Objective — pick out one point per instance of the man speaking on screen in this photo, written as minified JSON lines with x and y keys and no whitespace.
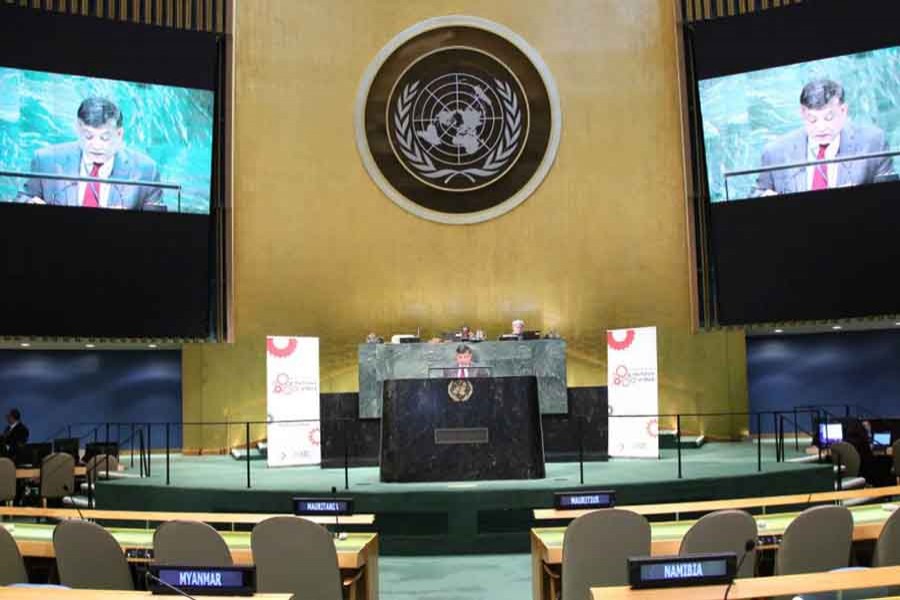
{"x":100,"y":152}
{"x":827,"y":133}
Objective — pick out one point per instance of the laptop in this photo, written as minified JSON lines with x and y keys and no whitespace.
{"x":881,"y":439}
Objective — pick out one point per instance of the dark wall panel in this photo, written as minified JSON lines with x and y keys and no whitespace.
{"x":856,"y":368}
{"x":54,"y":389}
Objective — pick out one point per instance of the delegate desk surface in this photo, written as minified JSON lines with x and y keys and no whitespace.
{"x":763,"y":587}
{"x":358,"y":551}
{"x":665,"y":538}
{"x":35,"y":472}
{"x":544,"y":359}
{"x":763,"y":502}
{"x":148,"y":517}
{"x":11,"y":593}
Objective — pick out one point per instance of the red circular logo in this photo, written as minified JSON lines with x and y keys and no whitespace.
{"x":315,"y":436}
{"x":653,"y":428}
{"x":615,"y":344}
{"x":278,"y":351}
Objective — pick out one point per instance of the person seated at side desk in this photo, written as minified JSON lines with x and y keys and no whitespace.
{"x":465,"y":368}
{"x":15,"y":434}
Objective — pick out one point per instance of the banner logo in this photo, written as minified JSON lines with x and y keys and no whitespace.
{"x":457,"y":119}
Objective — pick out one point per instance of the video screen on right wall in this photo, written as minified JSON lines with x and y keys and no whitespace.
{"x":804,"y":127}
{"x":795,"y":137}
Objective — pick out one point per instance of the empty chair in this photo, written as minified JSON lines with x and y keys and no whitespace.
{"x":596,"y":548}
{"x":817,"y":540}
{"x":100,"y":465}
{"x":887,"y":548}
{"x":190,"y":543}
{"x":57,"y":476}
{"x":845,"y":455}
{"x":723,"y":531}
{"x":89,"y":557}
{"x":12,"y":568}
{"x":295,"y":556}
{"x":7,"y":480}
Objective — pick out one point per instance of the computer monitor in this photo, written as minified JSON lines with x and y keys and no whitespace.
{"x":881,"y":439}
{"x":67,"y":445}
{"x":31,"y":455}
{"x":830,"y":433}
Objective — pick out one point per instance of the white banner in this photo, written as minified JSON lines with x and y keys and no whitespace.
{"x":292,"y":380}
{"x":633,"y":385}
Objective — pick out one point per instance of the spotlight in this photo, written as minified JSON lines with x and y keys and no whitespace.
{"x":836,"y":327}
{"x":779,"y":331}
{"x":25,"y":344}
{"x":89,"y":346}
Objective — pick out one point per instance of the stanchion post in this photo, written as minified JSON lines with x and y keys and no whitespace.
{"x":247,"y":438}
{"x":796,"y":431}
{"x":168,"y":475}
{"x":346,"y":457}
{"x":678,"y":441}
{"x":580,"y":449}
{"x":132,"y":445}
{"x":149,"y":447}
{"x":759,"y":442}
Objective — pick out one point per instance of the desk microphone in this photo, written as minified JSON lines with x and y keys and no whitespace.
{"x":165,"y":584}
{"x":337,"y":521}
{"x":749,"y":546}
{"x":74,"y":504}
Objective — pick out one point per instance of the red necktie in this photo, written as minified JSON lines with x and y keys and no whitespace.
{"x":820,"y":174}
{"x":92,"y":190}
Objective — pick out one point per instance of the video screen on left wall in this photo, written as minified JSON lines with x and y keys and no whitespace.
{"x":90,"y":142}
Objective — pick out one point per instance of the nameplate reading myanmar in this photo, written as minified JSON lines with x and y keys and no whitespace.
{"x":232,"y":581}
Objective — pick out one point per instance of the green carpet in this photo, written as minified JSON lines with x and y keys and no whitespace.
{"x":491,"y":577}
{"x":460,"y":517}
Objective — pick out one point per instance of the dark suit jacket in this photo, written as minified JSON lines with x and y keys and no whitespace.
{"x":13,"y":438}
{"x":65,"y":159}
{"x":793,"y":148}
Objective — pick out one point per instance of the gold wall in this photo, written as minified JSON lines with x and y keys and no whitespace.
{"x":320,"y":251}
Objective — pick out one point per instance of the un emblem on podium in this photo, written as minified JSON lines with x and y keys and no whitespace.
{"x":457,"y":120}
{"x":460,"y":390}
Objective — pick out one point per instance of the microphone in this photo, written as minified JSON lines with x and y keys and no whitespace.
{"x":337,"y":522}
{"x":75,"y":504}
{"x":165,"y":584}
{"x":749,"y":546}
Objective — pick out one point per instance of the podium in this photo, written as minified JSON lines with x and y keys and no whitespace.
{"x":461,"y":429}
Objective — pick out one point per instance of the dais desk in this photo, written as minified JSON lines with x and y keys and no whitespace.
{"x":358,"y":552}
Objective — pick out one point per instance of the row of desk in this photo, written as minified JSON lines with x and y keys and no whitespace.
{"x":358,"y":553}
{"x":547,"y":542}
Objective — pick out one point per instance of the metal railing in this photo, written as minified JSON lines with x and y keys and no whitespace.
{"x":812,"y":163}
{"x":75,"y":179}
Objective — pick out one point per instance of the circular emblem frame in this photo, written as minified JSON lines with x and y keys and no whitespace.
{"x":492,"y":125}
{"x":460,"y":390}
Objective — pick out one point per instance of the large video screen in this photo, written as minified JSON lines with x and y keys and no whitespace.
{"x":110,"y":178}
{"x":795,"y":123}
{"x":809,"y":126}
{"x":71,"y":140}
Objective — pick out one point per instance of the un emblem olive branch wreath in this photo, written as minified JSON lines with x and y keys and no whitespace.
{"x":495,"y":161}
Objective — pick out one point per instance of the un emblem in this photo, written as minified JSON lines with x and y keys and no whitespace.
{"x":457,"y":120}
{"x":460,"y":390}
